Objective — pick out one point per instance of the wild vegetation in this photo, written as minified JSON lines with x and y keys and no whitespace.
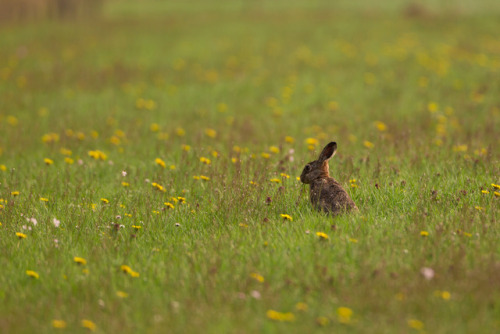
{"x":149,"y":164}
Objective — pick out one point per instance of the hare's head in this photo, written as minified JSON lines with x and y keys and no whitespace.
{"x":318,"y":169}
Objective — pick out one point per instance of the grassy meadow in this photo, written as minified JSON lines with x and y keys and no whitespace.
{"x":147,"y":158}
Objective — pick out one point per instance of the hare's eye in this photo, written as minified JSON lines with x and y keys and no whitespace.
{"x":308,"y":168}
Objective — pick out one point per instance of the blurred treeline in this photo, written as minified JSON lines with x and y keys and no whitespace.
{"x":22,"y":10}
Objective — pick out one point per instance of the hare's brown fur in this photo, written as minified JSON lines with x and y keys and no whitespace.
{"x":325,"y":192}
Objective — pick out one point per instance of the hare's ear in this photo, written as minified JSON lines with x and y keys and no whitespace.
{"x":328,"y":152}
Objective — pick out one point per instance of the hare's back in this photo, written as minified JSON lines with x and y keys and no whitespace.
{"x":333,"y":197}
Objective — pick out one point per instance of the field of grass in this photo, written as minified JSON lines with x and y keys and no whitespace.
{"x":146,"y":158}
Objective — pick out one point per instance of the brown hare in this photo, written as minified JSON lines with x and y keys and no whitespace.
{"x":325,"y":192}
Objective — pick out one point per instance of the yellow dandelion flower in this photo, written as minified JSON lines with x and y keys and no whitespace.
{"x":172,"y":167}
{"x":154,"y":127}
{"x":181,"y":199}
{"x":416,"y":324}
{"x":125,"y":184}
{"x":274,"y":149}
{"x":265,"y":155}
{"x":257,"y":277}
{"x":105,"y":200}
{"x":65,"y":151}
{"x":158,"y":187}
{"x":485,"y":191}
{"x":497,"y":193}
{"x":354,"y":241}
{"x":311,"y":141}
{"x":234,"y":160}
{"x":186,"y":148}
{"x":180,"y":132}
{"x":286,"y":217}
{"x":90,"y":325}
{"x":3,"y":168}
{"x":478,"y":208}
{"x":280,"y":316}
{"x":496,"y":186}
{"x":162,"y":136}
{"x":126,"y":269}
{"x":32,"y":274}
{"x":160,"y":162}
{"x":80,"y":260}
{"x":12,"y":121}
{"x":150,"y":104}
{"x":221,"y":107}
{"x":69,"y":161}
{"x":136,"y":227}
{"x":275,"y":180}
{"x":97,"y":155}
{"x":21,"y":235}
{"x":253,"y":183}
{"x":59,"y":323}
{"x":301,"y":306}
{"x":380,"y":126}
{"x":43,"y":199}
{"x":94,"y":134}
{"x":322,"y":236}
{"x":344,"y":315}
{"x":368,"y":144}
{"x":432,"y":107}
{"x":204,"y":160}
{"x":211,"y":133}
{"x":289,"y":139}
{"x":286,"y":176}
{"x":43,"y":111}
{"x":169,"y":205}
{"x":48,"y":161}
{"x":15,"y":193}
{"x":481,"y":152}
{"x":121,"y":294}
{"x":204,"y":178}
{"x":243,"y":225}
{"x":196,"y":177}
{"x":50,"y":138}
{"x":445,"y":295}
{"x":80,"y":136}
{"x":215,"y":154}
{"x":424,"y":233}
{"x":333,"y":105}
{"x":460,"y":148}
{"x":322,"y":321}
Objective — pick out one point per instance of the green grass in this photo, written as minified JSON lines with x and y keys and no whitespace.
{"x":255,"y":75}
